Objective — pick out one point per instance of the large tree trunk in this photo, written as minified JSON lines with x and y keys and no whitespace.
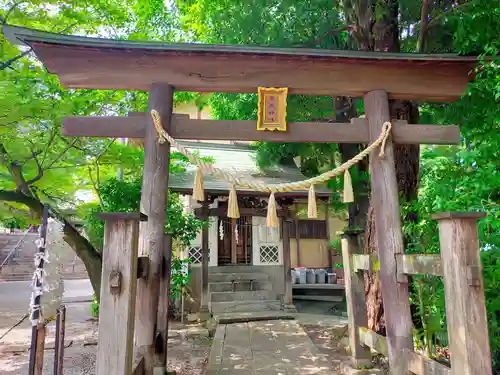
{"x":379,"y":32}
{"x":345,"y":111}
{"x":90,"y":257}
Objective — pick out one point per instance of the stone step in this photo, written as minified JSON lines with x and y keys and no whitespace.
{"x":252,"y":316}
{"x":260,"y":295}
{"x":240,"y":286}
{"x":234,"y":269}
{"x":244,"y":306}
{"x":243,"y":276}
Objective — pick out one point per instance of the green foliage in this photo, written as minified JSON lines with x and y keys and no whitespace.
{"x":491,"y":272}
{"x":125,"y":196}
{"x":179,"y":280}
{"x":431,"y":311}
{"x":94,"y":308}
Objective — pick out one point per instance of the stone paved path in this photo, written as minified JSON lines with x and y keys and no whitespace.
{"x":277,"y":347}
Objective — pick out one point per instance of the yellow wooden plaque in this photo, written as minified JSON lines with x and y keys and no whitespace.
{"x":272,"y":109}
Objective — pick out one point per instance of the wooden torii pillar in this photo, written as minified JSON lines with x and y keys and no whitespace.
{"x":385,"y":201}
{"x":148,"y":342}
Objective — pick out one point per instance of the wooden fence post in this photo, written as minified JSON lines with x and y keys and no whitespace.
{"x":464,"y":292}
{"x":355,"y":298}
{"x":118,"y":292}
{"x":59,"y":342}
{"x":384,"y":197}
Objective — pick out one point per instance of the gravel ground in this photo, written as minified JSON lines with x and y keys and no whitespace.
{"x":188,"y":346}
{"x":187,"y":356}
{"x":333,"y":342}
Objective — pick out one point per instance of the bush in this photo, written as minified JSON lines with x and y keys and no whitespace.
{"x":491,"y":273}
{"x":95,"y":307}
{"x":125,"y":196}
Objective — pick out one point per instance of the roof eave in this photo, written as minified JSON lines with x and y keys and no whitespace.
{"x":24,"y":36}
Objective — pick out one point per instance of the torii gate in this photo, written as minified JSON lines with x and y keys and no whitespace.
{"x":160,"y":68}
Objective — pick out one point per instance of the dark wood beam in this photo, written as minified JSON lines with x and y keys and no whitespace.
{"x":85,"y":63}
{"x":185,"y":128}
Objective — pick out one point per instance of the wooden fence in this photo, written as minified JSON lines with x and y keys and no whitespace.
{"x":460,"y":266}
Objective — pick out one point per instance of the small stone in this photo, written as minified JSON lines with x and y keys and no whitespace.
{"x":201,"y":316}
{"x":344,"y":345}
{"x":90,"y":340}
{"x":193,"y":317}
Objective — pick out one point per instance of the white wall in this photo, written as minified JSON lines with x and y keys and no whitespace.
{"x":263,"y":236}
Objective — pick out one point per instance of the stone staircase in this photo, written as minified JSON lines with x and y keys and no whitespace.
{"x":20,"y":266}
{"x":235,"y":289}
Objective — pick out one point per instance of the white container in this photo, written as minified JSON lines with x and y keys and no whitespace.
{"x":301,"y":275}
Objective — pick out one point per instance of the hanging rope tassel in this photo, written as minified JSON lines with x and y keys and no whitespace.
{"x":312,"y":211}
{"x":232,"y":205}
{"x":272,"y":215}
{"x":348,"y":193}
{"x":198,"y":188}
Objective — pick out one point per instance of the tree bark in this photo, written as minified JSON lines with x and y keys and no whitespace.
{"x":90,"y":257}
{"x":380,"y":33}
{"x":345,"y":111}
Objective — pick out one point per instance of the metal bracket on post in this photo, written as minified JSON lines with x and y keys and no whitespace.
{"x":115,"y":282}
{"x":143,"y":267}
{"x":474,"y":275}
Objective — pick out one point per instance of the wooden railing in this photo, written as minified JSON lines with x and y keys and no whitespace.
{"x":459,"y":265}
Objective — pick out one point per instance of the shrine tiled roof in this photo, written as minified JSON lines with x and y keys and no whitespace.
{"x":240,"y":159}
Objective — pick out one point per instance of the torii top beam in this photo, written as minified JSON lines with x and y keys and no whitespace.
{"x":94,"y":63}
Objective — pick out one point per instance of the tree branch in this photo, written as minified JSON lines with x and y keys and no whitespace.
{"x":49,"y":143}
{"x":39,"y":173}
{"x":16,"y":196}
{"x":13,"y":167}
{"x":434,"y":20}
{"x":62,"y":153}
{"x":424,"y":21}
{"x":328,"y":33}
{"x":82,"y":247}
{"x":9,"y":11}
{"x":8,"y":63}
